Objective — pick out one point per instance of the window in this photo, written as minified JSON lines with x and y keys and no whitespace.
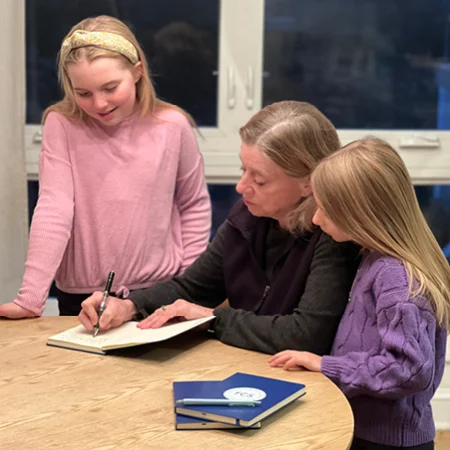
{"x":182,"y":47}
{"x":372,"y":67}
{"x":361,"y":62}
{"x":204,"y":56}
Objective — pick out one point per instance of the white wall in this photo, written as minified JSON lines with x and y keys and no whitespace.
{"x":13,"y":188}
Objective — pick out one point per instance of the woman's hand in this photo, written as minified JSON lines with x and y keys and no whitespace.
{"x":116,"y":313}
{"x":292,"y":358}
{"x":180,"y":308}
{"x":14,"y":311}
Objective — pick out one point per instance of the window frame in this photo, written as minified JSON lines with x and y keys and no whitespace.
{"x":240,"y":84}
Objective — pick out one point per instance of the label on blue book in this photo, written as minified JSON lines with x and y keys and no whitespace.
{"x":273,"y":393}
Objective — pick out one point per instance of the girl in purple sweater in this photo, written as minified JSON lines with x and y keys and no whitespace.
{"x":121,"y":181}
{"x":388,"y":356}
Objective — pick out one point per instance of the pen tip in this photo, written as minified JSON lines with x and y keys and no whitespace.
{"x":95,"y":331}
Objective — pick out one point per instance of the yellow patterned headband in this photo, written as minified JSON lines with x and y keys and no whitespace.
{"x":101,"y":39}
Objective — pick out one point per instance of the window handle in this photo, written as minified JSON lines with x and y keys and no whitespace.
{"x":250,"y":87}
{"x":37,"y":137}
{"x":231,"y":88}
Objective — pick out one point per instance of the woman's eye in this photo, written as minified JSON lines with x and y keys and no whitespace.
{"x":111,"y":89}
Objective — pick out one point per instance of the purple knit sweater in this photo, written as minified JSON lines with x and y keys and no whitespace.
{"x":388,"y":356}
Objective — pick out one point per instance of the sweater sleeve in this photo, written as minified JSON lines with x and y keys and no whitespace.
{"x":202,"y":283}
{"x":404,"y":363}
{"x":192,"y":198}
{"x":52,"y":220}
{"x":313,"y":323}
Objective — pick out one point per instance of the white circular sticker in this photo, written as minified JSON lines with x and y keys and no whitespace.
{"x":244,"y":393}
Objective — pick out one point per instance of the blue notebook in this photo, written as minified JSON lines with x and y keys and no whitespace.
{"x":273,"y":393}
{"x":192,"y":423}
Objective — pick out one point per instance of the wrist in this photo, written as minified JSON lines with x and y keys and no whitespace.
{"x":129,"y":309}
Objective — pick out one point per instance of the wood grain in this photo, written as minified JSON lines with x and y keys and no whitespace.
{"x":442,"y":441}
{"x":54,"y":398}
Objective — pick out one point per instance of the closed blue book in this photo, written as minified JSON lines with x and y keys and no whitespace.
{"x":273,"y":394}
{"x":192,"y":423}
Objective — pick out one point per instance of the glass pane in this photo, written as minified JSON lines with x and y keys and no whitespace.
{"x":365,"y":63}
{"x":435,"y":204}
{"x":223,"y":198}
{"x":181,"y":46}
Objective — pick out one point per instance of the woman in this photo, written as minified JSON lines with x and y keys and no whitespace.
{"x":286,"y":282}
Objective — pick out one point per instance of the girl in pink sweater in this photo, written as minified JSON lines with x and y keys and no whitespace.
{"x":121,"y":180}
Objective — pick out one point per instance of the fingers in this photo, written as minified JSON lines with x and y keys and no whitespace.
{"x":85,"y":320}
{"x":180,"y":308}
{"x":109,"y":317}
{"x":158,"y":318}
{"x":287,"y":359}
{"x":115,"y":314}
{"x":279,"y":358}
{"x":291,"y":363}
{"x":88,"y":315}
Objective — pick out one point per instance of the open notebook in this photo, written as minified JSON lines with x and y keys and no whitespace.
{"x":127,"y":335}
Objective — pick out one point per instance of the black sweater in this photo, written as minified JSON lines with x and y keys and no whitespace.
{"x":299,"y":309}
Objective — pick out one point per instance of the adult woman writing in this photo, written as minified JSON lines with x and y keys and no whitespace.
{"x":286,"y":282}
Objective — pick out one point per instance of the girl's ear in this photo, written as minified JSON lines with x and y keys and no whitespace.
{"x":305,"y":186}
{"x":137,"y":72}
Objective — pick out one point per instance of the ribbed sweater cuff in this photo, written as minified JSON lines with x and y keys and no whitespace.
{"x":332,"y":367}
{"x":35,"y":307}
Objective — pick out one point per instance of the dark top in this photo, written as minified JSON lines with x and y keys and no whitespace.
{"x":289,"y":298}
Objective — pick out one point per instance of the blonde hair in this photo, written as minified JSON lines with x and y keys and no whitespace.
{"x":146,"y":98}
{"x":295,"y":136}
{"x":365,"y":189}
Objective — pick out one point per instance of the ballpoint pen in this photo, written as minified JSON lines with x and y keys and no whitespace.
{"x":216,"y":402}
{"x":103,"y":303}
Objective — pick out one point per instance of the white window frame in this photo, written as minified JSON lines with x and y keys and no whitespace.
{"x":426,"y":153}
{"x":239,"y":93}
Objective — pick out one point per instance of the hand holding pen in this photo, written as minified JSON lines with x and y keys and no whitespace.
{"x":103,"y":303}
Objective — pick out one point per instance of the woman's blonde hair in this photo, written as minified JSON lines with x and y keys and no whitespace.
{"x":146,"y":98}
{"x":365,"y":189}
{"x":295,"y":136}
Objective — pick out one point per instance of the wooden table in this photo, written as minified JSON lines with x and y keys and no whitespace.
{"x":54,"y":398}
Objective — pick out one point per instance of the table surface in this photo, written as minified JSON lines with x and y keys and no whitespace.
{"x":53,"y":398}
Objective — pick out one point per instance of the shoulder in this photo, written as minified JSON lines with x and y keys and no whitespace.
{"x":391,"y":285}
{"x":388,"y":277}
{"x":56,"y":121}
{"x":326,"y":245}
{"x":387,"y":272}
{"x":173,"y":117}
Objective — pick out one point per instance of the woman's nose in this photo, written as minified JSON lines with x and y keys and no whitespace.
{"x":242,"y":185}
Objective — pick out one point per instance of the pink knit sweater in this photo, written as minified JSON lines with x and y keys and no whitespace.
{"x":130,"y":198}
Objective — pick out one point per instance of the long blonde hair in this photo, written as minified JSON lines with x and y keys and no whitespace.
{"x":295,"y":136}
{"x":365,"y":189}
{"x":146,"y":98}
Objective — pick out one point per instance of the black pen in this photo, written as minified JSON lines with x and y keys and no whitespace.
{"x":103,"y":303}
